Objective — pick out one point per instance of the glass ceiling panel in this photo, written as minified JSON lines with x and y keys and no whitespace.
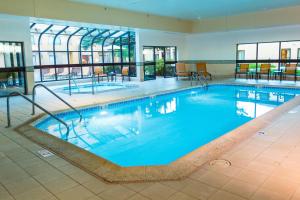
{"x":39,"y":28}
{"x":71,"y":30}
{"x":55,"y":29}
{"x":118,"y":34}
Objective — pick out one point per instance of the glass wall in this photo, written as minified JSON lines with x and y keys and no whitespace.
{"x":12,"y":67}
{"x":278,"y":55}
{"x":63,"y":51}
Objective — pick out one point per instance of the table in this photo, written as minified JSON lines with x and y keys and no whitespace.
{"x":277,"y":73}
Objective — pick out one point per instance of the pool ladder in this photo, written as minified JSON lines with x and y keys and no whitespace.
{"x":200,"y":77}
{"x":34,"y":104}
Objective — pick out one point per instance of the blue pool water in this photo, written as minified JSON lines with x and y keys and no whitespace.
{"x":99,"y":87}
{"x":158,"y":130}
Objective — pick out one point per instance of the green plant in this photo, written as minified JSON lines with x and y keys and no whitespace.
{"x":160,"y":67}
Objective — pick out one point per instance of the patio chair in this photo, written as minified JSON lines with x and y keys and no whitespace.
{"x":50,"y":74}
{"x":125,"y":73}
{"x":290,"y":70}
{"x":201,"y":68}
{"x":181,"y":71}
{"x":62,"y":72}
{"x":242,"y":69}
{"x":264,"y":70}
{"x":99,"y":72}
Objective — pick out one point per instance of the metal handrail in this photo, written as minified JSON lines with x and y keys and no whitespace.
{"x":45,"y":87}
{"x":202,"y":79}
{"x":33,"y":103}
{"x":93,"y":83}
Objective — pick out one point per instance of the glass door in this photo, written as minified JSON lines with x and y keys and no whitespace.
{"x":159,"y":61}
{"x":149,"y":63}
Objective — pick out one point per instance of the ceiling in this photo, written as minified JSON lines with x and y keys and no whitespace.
{"x":193,"y":9}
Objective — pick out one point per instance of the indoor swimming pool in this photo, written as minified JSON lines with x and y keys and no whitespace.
{"x":157,"y":130}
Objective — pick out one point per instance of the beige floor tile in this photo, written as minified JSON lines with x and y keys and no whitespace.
{"x":34,"y":194}
{"x":296,"y":195}
{"x":213,"y":179}
{"x":230,"y":171}
{"x":158,"y":191}
{"x":97,"y":186}
{"x":59,"y":185}
{"x":138,"y":197}
{"x":81,"y":176}
{"x":21,"y":186}
{"x":77,"y":192}
{"x":137,"y":187}
{"x":4,"y":194}
{"x":261,"y":167}
{"x":198,"y":190}
{"x":251,"y":177}
{"x":181,"y":196}
{"x":240,"y":188}
{"x":177,"y":185}
{"x":94,"y":197}
{"x":263,"y":194}
{"x":222,"y":195}
{"x":280,"y":185}
{"x":116,"y":192}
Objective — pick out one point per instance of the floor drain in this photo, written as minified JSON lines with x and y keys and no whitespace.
{"x":220,"y":163}
{"x":261,"y":133}
{"x":45,"y":153}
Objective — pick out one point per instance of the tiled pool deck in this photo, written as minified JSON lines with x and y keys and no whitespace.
{"x":265,"y":166}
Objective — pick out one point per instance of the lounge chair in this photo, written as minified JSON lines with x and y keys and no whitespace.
{"x":264,"y":70}
{"x":290,"y":70}
{"x":99,"y":72}
{"x":125,"y":73}
{"x":201,"y":68}
{"x":242,"y":69}
{"x":181,"y":71}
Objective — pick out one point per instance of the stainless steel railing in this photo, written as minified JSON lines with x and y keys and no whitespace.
{"x":53,"y":93}
{"x":34,"y":104}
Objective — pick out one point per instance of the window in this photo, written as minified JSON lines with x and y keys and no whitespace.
{"x":246,"y":51}
{"x":268,"y":51}
{"x":241,"y":55}
{"x":51,"y":59}
{"x":12,"y":67}
{"x":73,"y":45}
{"x":289,"y":50}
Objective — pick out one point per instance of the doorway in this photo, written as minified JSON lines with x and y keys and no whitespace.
{"x":159,"y":61}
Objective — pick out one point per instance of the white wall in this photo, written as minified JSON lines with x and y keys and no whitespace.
{"x":222,"y":45}
{"x":15,"y":28}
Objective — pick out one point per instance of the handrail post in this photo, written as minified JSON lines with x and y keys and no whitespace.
{"x":33,"y":100}
{"x":93,"y":78}
{"x":8,"y":111}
